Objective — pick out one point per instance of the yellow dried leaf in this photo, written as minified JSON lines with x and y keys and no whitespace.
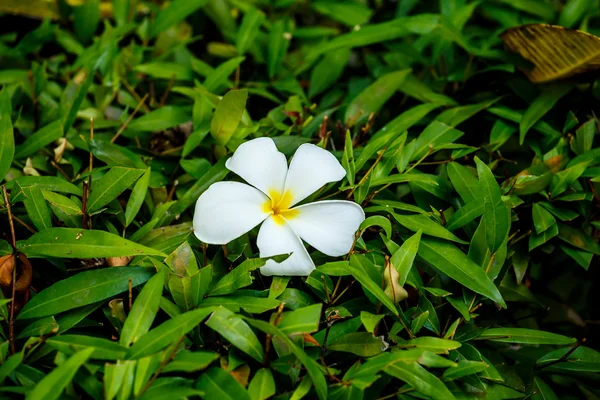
{"x":556,"y":52}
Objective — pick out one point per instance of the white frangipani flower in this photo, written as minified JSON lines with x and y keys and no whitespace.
{"x":227,"y":210}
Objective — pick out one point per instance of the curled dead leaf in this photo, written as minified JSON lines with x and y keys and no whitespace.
{"x":7,"y":264}
{"x":555,"y":52}
{"x":118,"y":261}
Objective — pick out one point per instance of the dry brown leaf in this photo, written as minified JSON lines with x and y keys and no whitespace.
{"x":556,"y":52}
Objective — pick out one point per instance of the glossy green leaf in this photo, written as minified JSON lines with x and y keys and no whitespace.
{"x":228,"y":115}
{"x":79,"y":243}
{"x":221,"y":384}
{"x":7,"y":139}
{"x":454,"y":263}
{"x":82,"y":289}
{"x":56,"y":381}
{"x":167,"y":333}
{"x":111,"y":185}
{"x":403,"y":258}
{"x":137,"y":197}
{"x":143,"y":312}
{"x":237,"y":332}
{"x":525,"y":336}
{"x":362,"y":344}
{"x":421,"y":222}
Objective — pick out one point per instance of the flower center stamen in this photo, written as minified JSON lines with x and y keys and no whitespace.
{"x":279,"y":206}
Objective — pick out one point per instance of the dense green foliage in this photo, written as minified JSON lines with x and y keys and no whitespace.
{"x":481,"y":191}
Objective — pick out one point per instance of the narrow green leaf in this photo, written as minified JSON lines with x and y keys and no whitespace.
{"x":175,"y":12}
{"x":80,"y":243}
{"x":525,"y":336}
{"x":495,"y":213}
{"x":418,"y":377}
{"x":137,"y":197}
{"x":48,"y":134}
{"x":454,"y":263}
{"x":550,"y":94}
{"x":262,"y":385}
{"x":37,"y":209}
{"x":7,"y":138}
{"x":374,"y":97}
{"x":358,"y":272}
{"x":403,"y":258}
{"x":111,"y":185}
{"x":222,"y":385}
{"x":362,"y":344}
{"x":542,"y":219}
{"x":228,"y":115}
{"x":144,"y":310}
{"x":237,"y":332}
{"x":53,"y":384}
{"x":421,"y":222}
{"x":167,"y":333}
{"x":82,"y":289}
{"x":249,"y":29}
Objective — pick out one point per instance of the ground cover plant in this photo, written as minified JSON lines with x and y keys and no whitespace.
{"x":468,"y":134}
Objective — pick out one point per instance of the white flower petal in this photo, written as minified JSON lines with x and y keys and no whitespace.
{"x":311,"y":168}
{"x":260,"y":164}
{"x":328,"y":226}
{"x":275,"y":238}
{"x":227,"y":210}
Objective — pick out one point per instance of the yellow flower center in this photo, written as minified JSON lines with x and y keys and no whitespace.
{"x":279,"y":206}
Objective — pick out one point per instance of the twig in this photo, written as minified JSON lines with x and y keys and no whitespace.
{"x":564,"y":357}
{"x":13,"y":242}
{"x":130,"y":292}
{"x":137,"y":108}
{"x":134,"y":94}
{"x":163,"y":364}
{"x":10,"y":218}
{"x":84,"y":200}
{"x":163,"y":99}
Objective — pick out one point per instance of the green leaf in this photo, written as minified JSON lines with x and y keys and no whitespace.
{"x":144,"y":310}
{"x":362,"y":344}
{"x":237,"y":332}
{"x":86,"y":18}
{"x":495,"y":213}
{"x":188,"y":361}
{"x":302,"y":320}
{"x":40,"y":327}
{"x":577,"y":238}
{"x":465,"y":368}
{"x":48,"y":134}
{"x":370,"y":321}
{"x":228,"y":115}
{"x":240,"y":277}
{"x":137,"y":197}
{"x":348,"y":13}
{"x":454,"y":263}
{"x":80,"y":243}
{"x":357,"y":270}
{"x":63,"y":203}
{"x":249,"y":29}
{"x":220,"y":384}
{"x":7,"y":139}
{"x":583,"y":359}
{"x":53,"y":384}
{"x":175,"y":12}
{"x":542,"y":219}
{"x":435,"y":134}
{"x":377,"y":220}
{"x":465,"y":183}
{"x":423,"y":381}
{"x":104,"y":349}
{"x":278,"y":45}
{"x":403,"y":258}
{"x":262,"y":385}
{"x":549,"y":96}
{"x":464,"y":215}
{"x":525,"y":336}
{"x":421,"y":222}
{"x":541,"y":391}
{"x":433,"y":344}
{"x":328,"y":71}
{"x":111,"y":185}
{"x":311,"y":366}
{"x":167,"y":333}
{"x":348,"y":159}
{"x":563,"y":179}
{"x":160,"y":119}
{"x":254,"y":305}
{"x":37,"y":209}
{"x":82,"y":289}
{"x":538,"y":240}
{"x":220,"y":76}
{"x":372,"y":98}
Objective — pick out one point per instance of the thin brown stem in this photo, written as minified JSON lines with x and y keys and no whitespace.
{"x":164,"y":97}
{"x":10,"y":218}
{"x":137,"y":108}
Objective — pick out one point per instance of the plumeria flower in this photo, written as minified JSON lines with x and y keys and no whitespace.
{"x":227,"y":210}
